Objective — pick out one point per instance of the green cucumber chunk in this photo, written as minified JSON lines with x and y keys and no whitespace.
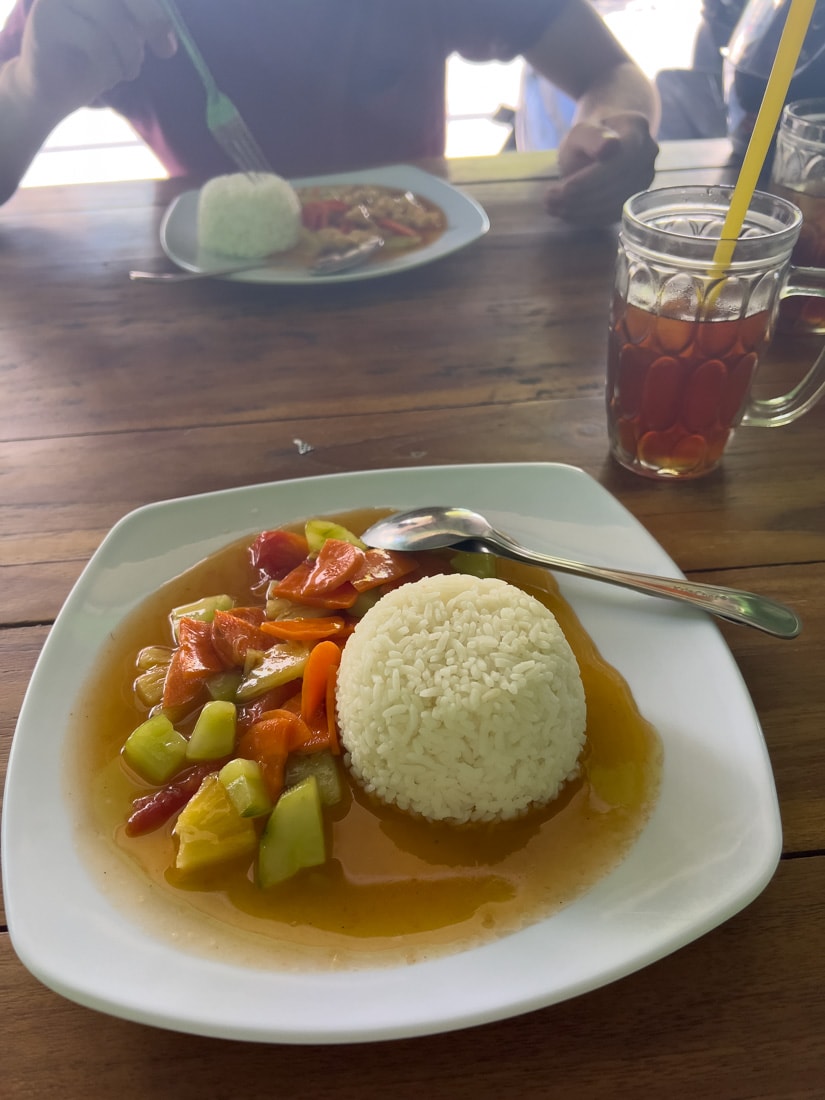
{"x":293,"y":837}
{"x":275,"y":666}
{"x":319,"y":530}
{"x":155,"y":749}
{"x":224,"y":685}
{"x":214,"y":732}
{"x":364,"y":601}
{"x":245,"y":786}
{"x":473,"y":563}
{"x":323,"y":766}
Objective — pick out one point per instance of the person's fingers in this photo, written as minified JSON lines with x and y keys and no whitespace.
{"x":586,"y":144}
{"x":75,"y":50}
{"x":594,"y":195}
{"x":154,"y":26}
{"x":601,"y":165}
{"x":116,"y":37}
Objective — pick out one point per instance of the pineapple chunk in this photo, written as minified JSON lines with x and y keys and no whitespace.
{"x":210,"y":830}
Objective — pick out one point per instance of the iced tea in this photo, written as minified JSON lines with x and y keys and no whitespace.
{"x":803,"y":314}
{"x":676,"y":388}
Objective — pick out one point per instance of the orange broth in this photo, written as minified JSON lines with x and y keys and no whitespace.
{"x":394,"y":886}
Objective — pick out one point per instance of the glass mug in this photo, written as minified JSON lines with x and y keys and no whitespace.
{"x":798,"y":174}
{"x":686,"y":333}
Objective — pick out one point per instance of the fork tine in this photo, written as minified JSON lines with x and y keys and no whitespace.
{"x":241,"y":148}
{"x":249,"y":149}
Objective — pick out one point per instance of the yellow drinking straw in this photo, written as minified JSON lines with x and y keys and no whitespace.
{"x":793,"y":35}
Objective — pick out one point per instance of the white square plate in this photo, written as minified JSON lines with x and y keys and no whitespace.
{"x":466,"y":222}
{"x":710,"y":847}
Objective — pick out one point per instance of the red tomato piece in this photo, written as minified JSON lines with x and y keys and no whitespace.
{"x":275,"y":553}
{"x":274,"y":699}
{"x":150,"y":811}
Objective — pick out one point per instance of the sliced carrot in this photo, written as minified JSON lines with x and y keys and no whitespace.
{"x":254,"y":615}
{"x":293,"y":587}
{"x":323,"y":657}
{"x":233,"y":635}
{"x":325,"y":580}
{"x":317,"y":724}
{"x":331,"y":716}
{"x":293,"y":703}
{"x":382,"y":566}
{"x":308,"y":630}
{"x":396,"y":227}
{"x":270,"y":740}
{"x":192,"y":662}
{"x":336,"y":562}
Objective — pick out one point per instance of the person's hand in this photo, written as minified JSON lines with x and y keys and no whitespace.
{"x":602,"y":165}
{"x":75,"y":50}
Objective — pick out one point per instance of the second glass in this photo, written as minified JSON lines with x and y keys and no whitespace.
{"x":798,"y":174}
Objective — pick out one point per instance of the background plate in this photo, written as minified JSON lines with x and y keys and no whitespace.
{"x":710,"y":847}
{"x":466,"y":222}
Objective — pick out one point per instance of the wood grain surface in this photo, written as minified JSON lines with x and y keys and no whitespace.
{"x":114,"y":395}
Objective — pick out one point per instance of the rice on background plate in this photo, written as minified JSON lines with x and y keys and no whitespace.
{"x":248,"y":217}
{"x":460,"y":699}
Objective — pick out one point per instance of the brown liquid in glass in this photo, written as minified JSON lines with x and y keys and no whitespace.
{"x":676,"y":388}
{"x":803,"y":314}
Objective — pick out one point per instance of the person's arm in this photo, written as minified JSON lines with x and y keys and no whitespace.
{"x":609,"y":152}
{"x":72,"y":51}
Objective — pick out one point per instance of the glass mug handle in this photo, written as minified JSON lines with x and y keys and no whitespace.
{"x":772,"y":412}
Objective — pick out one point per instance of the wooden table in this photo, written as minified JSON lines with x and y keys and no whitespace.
{"x":116,"y":394}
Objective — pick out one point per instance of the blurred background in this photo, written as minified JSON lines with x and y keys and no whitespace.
{"x":97,"y":145}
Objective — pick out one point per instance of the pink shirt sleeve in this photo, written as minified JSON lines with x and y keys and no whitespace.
{"x":12,"y":33}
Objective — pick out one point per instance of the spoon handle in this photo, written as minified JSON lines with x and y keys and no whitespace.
{"x":727,"y":603}
{"x":333,"y":263}
{"x":188,"y":276}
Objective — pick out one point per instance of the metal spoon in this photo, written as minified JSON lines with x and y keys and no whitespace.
{"x":434,"y":528}
{"x":333,"y":263}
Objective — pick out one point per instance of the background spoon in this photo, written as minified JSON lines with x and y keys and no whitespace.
{"x":433,"y":528}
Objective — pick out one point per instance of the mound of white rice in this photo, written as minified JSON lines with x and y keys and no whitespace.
{"x":460,"y":699}
{"x":248,"y":217}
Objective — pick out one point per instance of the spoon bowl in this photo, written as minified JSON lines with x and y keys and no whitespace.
{"x":437,"y":528}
